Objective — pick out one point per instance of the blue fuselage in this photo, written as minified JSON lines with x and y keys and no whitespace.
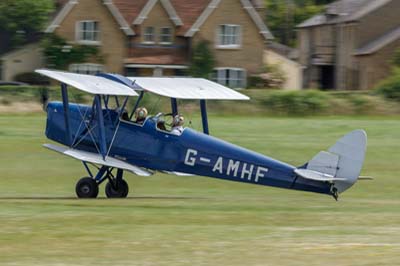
{"x":192,"y":152}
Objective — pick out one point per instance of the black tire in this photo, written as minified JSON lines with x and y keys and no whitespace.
{"x":87,"y":188}
{"x":121,"y":192}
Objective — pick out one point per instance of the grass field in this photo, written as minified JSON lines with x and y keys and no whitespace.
{"x":170,"y":220}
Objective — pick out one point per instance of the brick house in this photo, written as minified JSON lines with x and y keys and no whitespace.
{"x":155,"y":37}
{"x":350,"y":45}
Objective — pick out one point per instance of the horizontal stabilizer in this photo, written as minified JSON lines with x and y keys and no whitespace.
{"x":97,"y":159}
{"x":365,"y":178}
{"x":317,"y":176}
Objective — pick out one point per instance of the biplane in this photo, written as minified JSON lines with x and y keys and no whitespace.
{"x":109,"y":142}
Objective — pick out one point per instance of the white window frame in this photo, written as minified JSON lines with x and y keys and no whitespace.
{"x":236,"y":83}
{"x":79,"y":32}
{"x":225,"y":40}
{"x":162,"y":35}
{"x":86,"y":68}
{"x":145,"y":33}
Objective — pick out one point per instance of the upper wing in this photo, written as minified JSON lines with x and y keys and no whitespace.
{"x":89,"y":83}
{"x":187,"y":88}
{"x":98,"y":159}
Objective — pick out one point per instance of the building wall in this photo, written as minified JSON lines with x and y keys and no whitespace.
{"x":250,"y":55}
{"x":377,"y":66}
{"x":378,"y":22}
{"x":304,"y":41}
{"x":113,"y":41}
{"x":26,"y":59}
{"x":293,"y":70}
{"x":350,"y":71}
{"x":346,"y":64}
{"x":157,"y":18}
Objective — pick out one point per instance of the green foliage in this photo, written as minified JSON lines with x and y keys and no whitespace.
{"x":59,"y":54}
{"x":276,"y":76}
{"x":22,"y":18}
{"x":272,"y":77}
{"x":283,"y":16}
{"x":390,"y":87}
{"x":32,"y":78}
{"x":296,"y":102}
{"x":396,"y":58}
{"x":203,"y":61}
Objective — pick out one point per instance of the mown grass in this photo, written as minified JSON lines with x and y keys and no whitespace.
{"x":170,"y":220}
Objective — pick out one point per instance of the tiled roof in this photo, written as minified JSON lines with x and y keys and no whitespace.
{"x":344,"y":11}
{"x":129,"y":8}
{"x":379,"y":43}
{"x":157,"y":56}
{"x":284,"y":50}
{"x":185,"y":13}
{"x":189,"y":11}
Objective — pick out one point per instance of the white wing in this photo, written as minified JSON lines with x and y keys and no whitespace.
{"x":187,"y":88}
{"x":98,"y":159}
{"x":89,"y":83}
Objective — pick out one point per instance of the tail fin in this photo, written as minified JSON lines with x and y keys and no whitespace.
{"x":341,"y":164}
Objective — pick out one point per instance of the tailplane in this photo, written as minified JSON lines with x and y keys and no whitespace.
{"x":340,"y":165}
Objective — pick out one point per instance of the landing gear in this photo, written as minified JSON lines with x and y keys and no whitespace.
{"x":335,"y":193}
{"x":88,"y":187}
{"x":118,"y":189}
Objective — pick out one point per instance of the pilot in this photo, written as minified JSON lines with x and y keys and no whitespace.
{"x":140,"y":115}
{"x":177,"y":125}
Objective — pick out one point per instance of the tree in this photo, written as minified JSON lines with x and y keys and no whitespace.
{"x":203,"y":61}
{"x":20,"y":20}
{"x":284,"y":15}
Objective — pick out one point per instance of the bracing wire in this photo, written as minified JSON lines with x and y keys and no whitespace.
{"x":89,"y":130}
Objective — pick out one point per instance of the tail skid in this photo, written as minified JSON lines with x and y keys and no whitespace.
{"x":340,"y":165}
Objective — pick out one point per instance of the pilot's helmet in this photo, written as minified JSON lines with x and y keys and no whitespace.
{"x":179,"y":120}
{"x":141,"y":113}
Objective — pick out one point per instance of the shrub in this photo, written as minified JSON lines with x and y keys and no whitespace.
{"x":272,"y":77}
{"x":390,"y":87}
{"x":296,"y":102}
{"x":32,"y":78}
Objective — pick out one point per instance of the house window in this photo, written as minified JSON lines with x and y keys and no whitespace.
{"x":229,"y":36}
{"x":87,"y":68}
{"x":231,"y":77}
{"x":148,"y":35}
{"x":87,"y":31}
{"x":166,"y":35}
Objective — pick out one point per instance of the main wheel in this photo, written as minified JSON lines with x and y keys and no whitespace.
{"x":87,"y":187}
{"x":120,"y":192}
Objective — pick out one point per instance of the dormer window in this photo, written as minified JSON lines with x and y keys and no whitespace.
{"x":166,"y":35}
{"x":87,"y":32}
{"x":149,"y":35}
{"x":229,"y":36}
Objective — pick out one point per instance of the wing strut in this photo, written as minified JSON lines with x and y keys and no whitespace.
{"x":68,"y":134}
{"x":136,"y":104}
{"x":204,"y":119}
{"x":174,"y":106}
{"x":102,"y":132}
